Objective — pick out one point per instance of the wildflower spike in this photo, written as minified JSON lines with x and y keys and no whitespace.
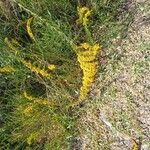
{"x":37,"y":100}
{"x":51,"y":66}
{"x":28,"y":111}
{"x":6,"y":70}
{"x":28,"y":26}
{"x":31,"y":138}
{"x":86,"y":57}
{"x":135,"y":146}
{"x":35,"y":69}
{"x":83,"y":13}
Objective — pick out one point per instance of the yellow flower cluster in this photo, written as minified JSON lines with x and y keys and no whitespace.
{"x":34,"y":69}
{"x":28,"y":26}
{"x":6,"y":69}
{"x":83,"y":13}
{"x":51,"y":67}
{"x":135,"y":146}
{"x":32,"y":137}
{"x":36,"y":100}
{"x":27,"y":111}
{"x":86,"y":57}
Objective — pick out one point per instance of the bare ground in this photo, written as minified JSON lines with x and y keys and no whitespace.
{"x":120,"y":113}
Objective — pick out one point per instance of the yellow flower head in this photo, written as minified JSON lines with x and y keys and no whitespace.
{"x":86,"y":56}
{"x":51,"y":67}
{"x":28,"y":111}
{"x":37,"y":100}
{"x":27,"y":96}
{"x":135,"y":146}
{"x":31,"y":138}
{"x":42,"y":102}
{"x":84,"y":46}
{"x":28,"y":26}
{"x":83,"y":13}
{"x":6,"y":69}
{"x":35,"y":69}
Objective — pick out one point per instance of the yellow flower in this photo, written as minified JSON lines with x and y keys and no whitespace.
{"x":85,"y":18}
{"x":28,"y":110}
{"x":135,"y":146}
{"x":37,"y":100}
{"x":42,"y":102}
{"x":83,"y":13}
{"x":86,"y":56}
{"x":84,"y":46}
{"x":27,"y":96}
{"x":28,"y":26}
{"x":32,"y":137}
{"x":51,"y":67}
{"x":6,"y":69}
{"x":35,"y":69}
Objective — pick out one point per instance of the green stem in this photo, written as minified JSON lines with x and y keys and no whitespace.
{"x":88,"y":34}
